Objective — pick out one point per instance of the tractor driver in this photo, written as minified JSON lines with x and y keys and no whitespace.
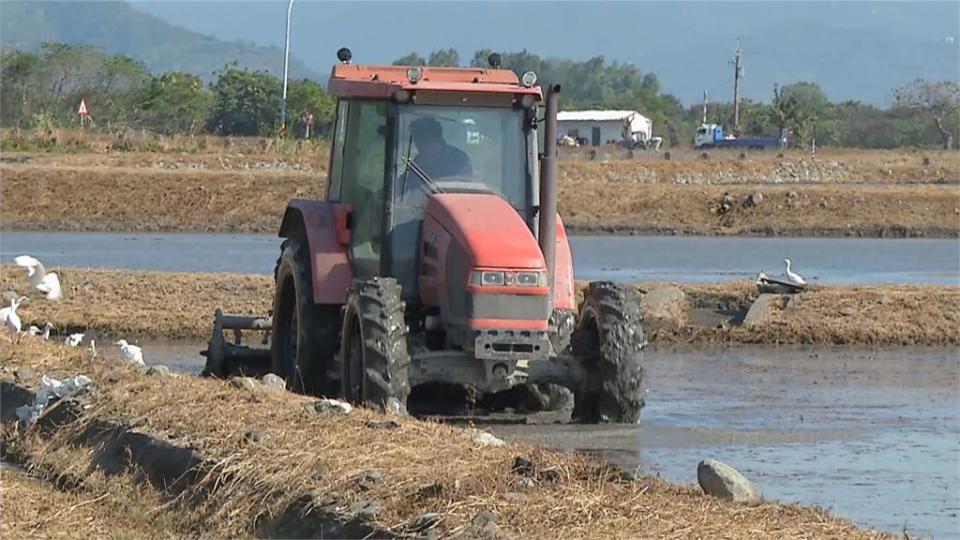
{"x":434,"y":156}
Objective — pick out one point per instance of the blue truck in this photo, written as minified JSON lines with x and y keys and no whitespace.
{"x":711,"y":136}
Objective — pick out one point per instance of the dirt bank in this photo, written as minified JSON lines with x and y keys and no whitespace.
{"x":233,"y":194}
{"x":181,"y":305}
{"x":267,"y":463}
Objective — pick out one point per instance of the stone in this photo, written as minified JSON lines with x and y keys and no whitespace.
{"x":244,"y":383}
{"x":484,"y":525}
{"x":254,"y":436}
{"x":364,"y":510}
{"x":273,"y":382}
{"x":394,"y":407}
{"x":721,"y":480}
{"x":430,"y":490}
{"x":330,"y":406}
{"x":761,"y":309}
{"x":23,"y":374}
{"x":423,"y":522}
{"x":159,"y":369}
{"x":389,"y":424}
{"x":664,"y":303}
{"x":368,"y":479}
{"x":482,"y":438}
{"x":728,"y":199}
{"x":754,"y":199}
{"x":847,"y":311}
{"x":792,"y":194}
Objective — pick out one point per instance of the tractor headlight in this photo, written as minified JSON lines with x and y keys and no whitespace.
{"x":497,"y":278}
{"x":487,"y":278}
{"x":528,"y":79}
{"x":528,"y":279}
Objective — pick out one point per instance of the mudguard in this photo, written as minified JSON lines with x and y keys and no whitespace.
{"x":324,"y":226}
{"x":564,"y":296}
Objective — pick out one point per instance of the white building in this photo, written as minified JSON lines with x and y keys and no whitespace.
{"x":602,"y":127}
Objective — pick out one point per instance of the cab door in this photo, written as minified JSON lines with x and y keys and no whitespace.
{"x":357,"y":171}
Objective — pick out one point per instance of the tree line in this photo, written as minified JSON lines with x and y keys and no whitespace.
{"x":44,"y":87}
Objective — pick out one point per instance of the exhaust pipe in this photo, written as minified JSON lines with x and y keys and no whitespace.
{"x":547,"y":226}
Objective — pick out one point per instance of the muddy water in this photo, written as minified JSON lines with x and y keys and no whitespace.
{"x":869,"y":435}
{"x":872,"y":436}
{"x":631,"y":258}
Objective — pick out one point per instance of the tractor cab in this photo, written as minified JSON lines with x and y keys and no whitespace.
{"x":405,"y":134}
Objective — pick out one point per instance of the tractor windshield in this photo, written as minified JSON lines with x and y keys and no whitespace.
{"x":461,"y":149}
{"x":454,"y":149}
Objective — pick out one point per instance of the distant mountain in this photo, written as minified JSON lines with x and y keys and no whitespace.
{"x":854,"y":50}
{"x":117,"y":28}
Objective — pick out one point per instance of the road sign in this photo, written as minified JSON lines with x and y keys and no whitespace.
{"x":82,"y":111}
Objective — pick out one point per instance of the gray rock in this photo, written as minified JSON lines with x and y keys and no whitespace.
{"x":23,"y":374}
{"x":484,"y":525}
{"x":244,"y":383}
{"x":330,"y":406}
{"x":254,"y":436}
{"x":365,"y":510}
{"x":482,"y":438}
{"x":273,"y":382}
{"x":721,"y":480}
{"x":389,"y":424}
{"x":368,"y":479}
{"x":754,"y":199}
{"x":159,"y":369}
{"x":664,"y":303}
{"x":423,"y":522}
{"x":393,"y":406}
{"x":762,"y":307}
{"x":848,"y":311}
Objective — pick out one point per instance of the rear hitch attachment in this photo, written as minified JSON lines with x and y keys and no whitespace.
{"x":225,"y":358}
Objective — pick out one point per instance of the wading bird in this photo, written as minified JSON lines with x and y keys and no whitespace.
{"x":36,"y":331}
{"x":73,"y":340}
{"x":130,"y":353}
{"x":792,"y":276}
{"x":45,"y":282}
{"x":11,"y":319}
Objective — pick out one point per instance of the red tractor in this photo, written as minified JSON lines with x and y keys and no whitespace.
{"x":438,"y":255}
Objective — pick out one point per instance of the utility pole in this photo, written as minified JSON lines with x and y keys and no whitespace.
{"x":737,"y":73}
{"x":286,"y":64}
{"x":704,"y":121}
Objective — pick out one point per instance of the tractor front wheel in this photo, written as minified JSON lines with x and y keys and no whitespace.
{"x":374,"y":346}
{"x":305,"y":336}
{"x":608,"y":342}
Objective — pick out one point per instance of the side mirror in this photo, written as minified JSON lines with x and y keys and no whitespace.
{"x":344,"y":223}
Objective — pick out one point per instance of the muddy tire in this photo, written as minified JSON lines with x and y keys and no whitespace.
{"x":608,"y":342}
{"x":305,"y":336}
{"x":376,"y":362}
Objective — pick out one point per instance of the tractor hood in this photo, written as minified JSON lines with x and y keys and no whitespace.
{"x":490,"y":231}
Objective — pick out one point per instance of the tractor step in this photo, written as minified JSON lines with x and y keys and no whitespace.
{"x":225,"y":358}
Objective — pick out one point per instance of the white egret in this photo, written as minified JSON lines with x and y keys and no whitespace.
{"x":34,"y":330}
{"x":93,"y":349}
{"x":73,"y":340}
{"x":792,"y":276}
{"x":46,"y":330}
{"x":10,"y":318}
{"x":130,"y":353}
{"x":45,"y":282}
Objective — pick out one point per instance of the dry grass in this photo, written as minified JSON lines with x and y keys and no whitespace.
{"x":33,"y":508}
{"x":121,"y":303}
{"x":304,"y":457}
{"x":247,"y":192}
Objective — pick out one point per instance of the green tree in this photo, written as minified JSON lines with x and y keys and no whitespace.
{"x":940,"y":100}
{"x":444,"y":58}
{"x":18,"y":77}
{"x":245,"y":102}
{"x":175,"y":102}
{"x":412,"y":59}
{"x":309,"y":97}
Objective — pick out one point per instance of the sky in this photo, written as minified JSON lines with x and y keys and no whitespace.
{"x":687,"y":44}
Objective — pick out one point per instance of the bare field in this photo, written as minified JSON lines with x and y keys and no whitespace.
{"x":181,"y":305}
{"x":160,"y":192}
{"x":305,"y":460}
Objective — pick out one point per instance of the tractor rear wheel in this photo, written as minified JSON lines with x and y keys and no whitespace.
{"x":305,"y":336}
{"x":608,"y":342}
{"x":374,"y":346}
